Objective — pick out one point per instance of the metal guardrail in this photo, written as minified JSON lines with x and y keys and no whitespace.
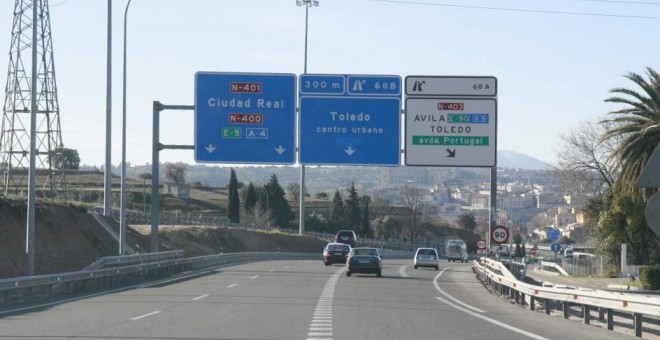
{"x":497,"y":275}
{"x":16,"y":291}
{"x":557,"y":267}
{"x":127,"y":260}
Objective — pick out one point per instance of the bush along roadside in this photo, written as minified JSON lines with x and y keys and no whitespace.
{"x":650,"y":277}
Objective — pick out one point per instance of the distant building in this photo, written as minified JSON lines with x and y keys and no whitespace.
{"x":403,"y":174}
{"x":181,"y":191}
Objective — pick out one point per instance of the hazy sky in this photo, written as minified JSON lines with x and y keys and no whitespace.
{"x":555,"y":60}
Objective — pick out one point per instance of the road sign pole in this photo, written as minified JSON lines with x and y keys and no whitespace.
{"x":493,"y":203}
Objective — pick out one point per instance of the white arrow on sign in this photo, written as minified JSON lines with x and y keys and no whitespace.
{"x":280,"y":150}
{"x":350,"y":151}
{"x":210,"y":148}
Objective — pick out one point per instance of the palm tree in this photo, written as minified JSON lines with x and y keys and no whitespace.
{"x":637,"y":126}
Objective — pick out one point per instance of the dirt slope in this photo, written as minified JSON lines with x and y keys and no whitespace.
{"x":67,"y":239}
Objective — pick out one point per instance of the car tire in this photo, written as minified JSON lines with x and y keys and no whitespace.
{"x":415,"y":267}
{"x":379,"y":274}
{"x":348,"y":273}
{"x":436,"y":268}
{"x":327,"y":264}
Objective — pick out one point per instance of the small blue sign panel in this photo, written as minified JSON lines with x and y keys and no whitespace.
{"x":552,"y":234}
{"x":350,"y":120}
{"x":555,"y":247}
{"x":245,"y":118}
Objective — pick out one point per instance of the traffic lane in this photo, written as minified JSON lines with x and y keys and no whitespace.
{"x":132,"y":313}
{"x":460,"y":282}
{"x":277,"y":304}
{"x":398,"y":307}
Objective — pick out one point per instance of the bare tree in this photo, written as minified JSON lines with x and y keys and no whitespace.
{"x":585,"y":164}
{"x":412,"y":199}
{"x":175,"y":172}
{"x":294,"y":191}
{"x":259,"y":216}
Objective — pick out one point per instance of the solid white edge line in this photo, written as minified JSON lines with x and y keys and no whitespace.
{"x":254,"y":277}
{"x":232,"y":285}
{"x":437,"y":287}
{"x":145,"y":315}
{"x":402,"y":271}
{"x":495,"y":322}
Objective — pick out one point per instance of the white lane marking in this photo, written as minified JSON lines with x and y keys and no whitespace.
{"x":232,"y":285}
{"x":321,"y":325}
{"x":437,"y":287}
{"x":495,"y":322}
{"x":200,"y":297}
{"x":402,"y":271}
{"x":254,"y":277}
{"x":319,"y":334}
{"x":272,"y":270}
{"x":145,"y":315}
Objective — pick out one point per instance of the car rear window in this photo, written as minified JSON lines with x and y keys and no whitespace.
{"x":346,"y":233}
{"x":426,"y":252}
{"x":369,"y":252}
{"x":338,"y":247}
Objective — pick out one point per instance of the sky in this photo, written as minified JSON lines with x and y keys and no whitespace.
{"x":555,"y":60}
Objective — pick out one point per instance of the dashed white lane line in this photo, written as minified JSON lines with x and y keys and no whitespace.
{"x":145,"y":315}
{"x":254,"y":277}
{"x":200,"y":297}
{"x":232,"y":285}
{"x":402,"y":271}
{"x":272,"y":270}
{"x":321,"y":326}
{"x":437,"y":287}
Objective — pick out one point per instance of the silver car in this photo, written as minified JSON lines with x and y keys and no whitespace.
{"x":426,"y":257}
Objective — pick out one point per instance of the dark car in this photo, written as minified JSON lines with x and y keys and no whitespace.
{"x":346,"y":237}
{"x":364,"y":260}
{"x":335,"y":253}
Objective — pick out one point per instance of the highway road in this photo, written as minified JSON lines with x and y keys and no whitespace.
{"x":299,"y":300}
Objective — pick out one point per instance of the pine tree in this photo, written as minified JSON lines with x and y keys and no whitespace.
{"x":233,"y":207}
{"x":336,"y":212}
{"x":277,"y":204}
{"x":366,"y":221}
{"x":352,"y":214}
{"x":250,"y":198}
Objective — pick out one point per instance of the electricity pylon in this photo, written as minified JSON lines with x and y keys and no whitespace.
{"x":15,"y":138}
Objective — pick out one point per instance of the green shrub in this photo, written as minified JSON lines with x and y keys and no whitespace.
{"x":650,"y":277}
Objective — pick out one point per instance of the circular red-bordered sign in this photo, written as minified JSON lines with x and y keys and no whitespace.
{"x":481,"y":244}
{"x":499,"y":234}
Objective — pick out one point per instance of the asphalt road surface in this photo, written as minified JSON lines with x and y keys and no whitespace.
{"x":299,"y":300}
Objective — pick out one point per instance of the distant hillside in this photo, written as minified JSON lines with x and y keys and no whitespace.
{"x":512,"y":159}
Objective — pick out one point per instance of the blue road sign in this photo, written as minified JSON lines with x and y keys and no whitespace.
{"x":555,"y":247}
{"x":350,"y":120}
{"x":552,"y":234}
{"x":245,"y":118}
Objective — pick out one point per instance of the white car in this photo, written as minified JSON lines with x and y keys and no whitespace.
{"x":426,"y":257}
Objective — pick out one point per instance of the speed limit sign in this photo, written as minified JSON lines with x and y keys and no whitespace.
{"x":481,"y":244}
{"x":499,"y":235}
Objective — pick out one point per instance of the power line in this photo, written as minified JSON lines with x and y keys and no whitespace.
{"x":504,"y":9}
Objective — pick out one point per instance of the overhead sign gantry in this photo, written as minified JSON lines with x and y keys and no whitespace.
{"x":451,"y":121}
{"x":245,"y":118}
{"x":350,"y":119}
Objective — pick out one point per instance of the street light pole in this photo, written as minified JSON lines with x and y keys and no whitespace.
{"x":307,"y":4}
{"x":122,"y":210}
{"x":107,"y":175}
